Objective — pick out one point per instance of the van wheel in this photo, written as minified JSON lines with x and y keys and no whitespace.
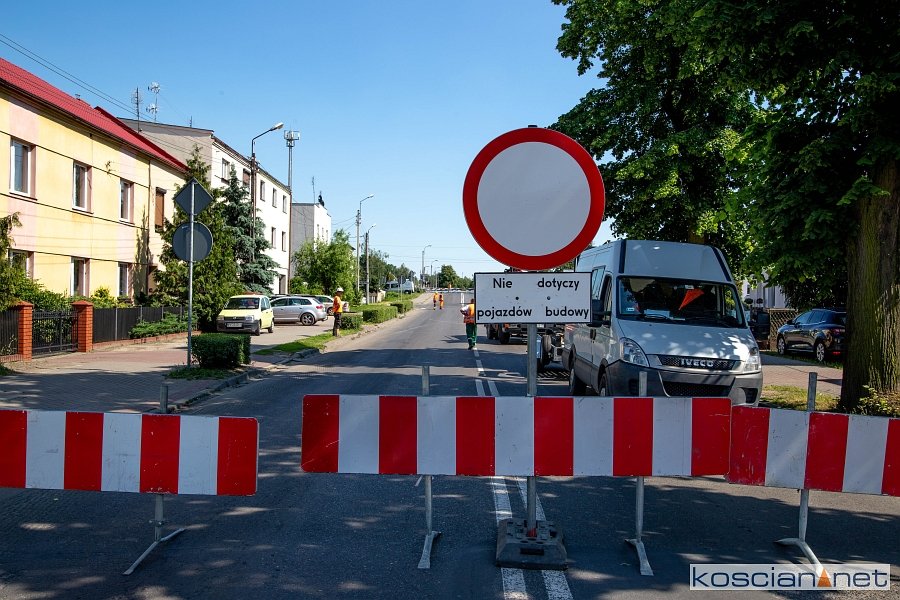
{"x":603,"y":386}
{"x":546,"y":350}
{"x":491,"y":332}
{"x":576,"y":386}
{"x":503,"y":336}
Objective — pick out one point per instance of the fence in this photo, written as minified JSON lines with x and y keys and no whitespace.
{"x":113,"y":324}
{"x":53,"y":331}
{"x":9,"y":339}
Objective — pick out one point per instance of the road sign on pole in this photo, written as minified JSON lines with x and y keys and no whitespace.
{"x":533,"y":297}
{"x":533,"y":199}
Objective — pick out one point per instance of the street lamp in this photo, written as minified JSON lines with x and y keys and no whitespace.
{"x":253,"y":169}
{"x":433,"y":278}
{"x":423,"y":265}
{"x":367,"y":262}
{"x":358,"y":220}
{"x":290,"y":137}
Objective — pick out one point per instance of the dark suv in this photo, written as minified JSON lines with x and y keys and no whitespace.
{"x":821,"y":331}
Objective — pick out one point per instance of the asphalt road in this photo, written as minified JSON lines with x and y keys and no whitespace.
{"x":360,"y":536}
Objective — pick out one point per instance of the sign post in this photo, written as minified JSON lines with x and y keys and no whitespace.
{"x":551,"y":178}
{"x":192,"y":198}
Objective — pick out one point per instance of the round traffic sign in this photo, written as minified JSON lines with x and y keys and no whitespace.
{"x":533,"y":198}
{"x":181,"y":241}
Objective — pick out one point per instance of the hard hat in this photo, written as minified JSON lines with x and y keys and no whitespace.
{"x":340,"y":289}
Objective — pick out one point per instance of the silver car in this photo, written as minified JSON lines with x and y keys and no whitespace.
{"x":298,"y":309}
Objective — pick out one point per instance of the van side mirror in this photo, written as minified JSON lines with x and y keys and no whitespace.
{"x":601,"y":319}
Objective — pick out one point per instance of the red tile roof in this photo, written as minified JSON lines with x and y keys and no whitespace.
{"x":97,"y":118}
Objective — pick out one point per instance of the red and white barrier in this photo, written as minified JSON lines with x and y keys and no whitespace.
{"x":515,"y":436}
{"x":812,"y":450}
{"x":124,"y":452}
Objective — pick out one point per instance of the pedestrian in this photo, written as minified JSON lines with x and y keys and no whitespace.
{"x":338,"y":308}
{"x":434,"y":300}
{"x":441,"y":301}
{"x":468,"y":313}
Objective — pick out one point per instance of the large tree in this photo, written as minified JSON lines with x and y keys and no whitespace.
{"x":255,"y":268}
{"x":827,"y":188}
{"x":322,"y":267}
{"x":215,"y":277}
{"x":662,"y":125}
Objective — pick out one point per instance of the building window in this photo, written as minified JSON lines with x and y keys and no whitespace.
{"x":246,"y":178}
{"x":284,"y":203}
{"x":273,"y":237}
{"x":284,"y":240}
{"x":274,"y":197}
{"x":262,"y":192}
{"x":81,"y":177}
{"x":159,"y":211}
{"x":79,"y":280}
{"x":126,"y":200}
{"x":226,"y":171}
{"x":22,"y":260}
{"x":124,"y":280}
{"x":20,"y":167}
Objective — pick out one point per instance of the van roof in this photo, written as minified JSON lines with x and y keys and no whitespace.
{"x":655,"y":258}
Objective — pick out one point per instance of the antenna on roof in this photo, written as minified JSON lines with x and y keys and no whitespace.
{"x":154,"y":88}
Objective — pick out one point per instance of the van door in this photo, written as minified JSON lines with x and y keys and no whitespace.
{"x":601,"y":335}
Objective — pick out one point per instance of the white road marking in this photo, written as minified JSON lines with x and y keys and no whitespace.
{"x":554,"y":581}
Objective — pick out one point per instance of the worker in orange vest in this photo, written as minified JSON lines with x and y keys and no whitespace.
{"x":441,"y":300}
{"x":338,"y":308}
{"x":434,"y":300}
{"x":468,"y":313}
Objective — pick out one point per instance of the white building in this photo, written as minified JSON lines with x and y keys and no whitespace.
{"x":309,"y":221}
{"x":273,"y":198}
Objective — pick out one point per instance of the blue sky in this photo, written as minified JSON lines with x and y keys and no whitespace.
{"x":391,"y":98}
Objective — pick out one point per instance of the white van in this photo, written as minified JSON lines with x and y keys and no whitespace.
{"x":669,"y":309}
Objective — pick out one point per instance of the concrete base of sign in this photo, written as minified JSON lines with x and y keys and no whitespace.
{"x":543,"y":551}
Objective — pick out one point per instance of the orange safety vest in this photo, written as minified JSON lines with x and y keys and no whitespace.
{"x":338,"y":305}
{"x":469,"y":317}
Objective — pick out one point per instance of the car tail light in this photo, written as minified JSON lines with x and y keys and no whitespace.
{"x":319,"y":306}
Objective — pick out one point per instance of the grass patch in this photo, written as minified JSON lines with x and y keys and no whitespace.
{"x":201,"y":373}
{"x":794,"y":398}
{"x":807,"y":358}
{"x":313,"y":342}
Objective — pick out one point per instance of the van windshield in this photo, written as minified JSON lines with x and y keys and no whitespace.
{"x":679,"y":301}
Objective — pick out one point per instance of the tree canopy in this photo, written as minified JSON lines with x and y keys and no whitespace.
{"x":321,"y":267}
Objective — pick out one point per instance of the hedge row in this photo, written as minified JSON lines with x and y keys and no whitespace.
{"x":378,"y":313}
{"x":352,"y":320}
{"x":402,"y":305}
{"x":170,"y":324}
{"x":221,"y":350}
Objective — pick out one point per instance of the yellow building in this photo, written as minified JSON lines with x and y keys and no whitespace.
{"x":91,"y":193}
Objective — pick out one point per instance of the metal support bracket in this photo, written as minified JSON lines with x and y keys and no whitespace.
{"x":639,"y":502}
{"x":158,"y":522}
{"x":431,"y":536}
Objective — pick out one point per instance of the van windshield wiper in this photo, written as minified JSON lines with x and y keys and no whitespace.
{"x":644,"y":316}
{"x":717,"y":319}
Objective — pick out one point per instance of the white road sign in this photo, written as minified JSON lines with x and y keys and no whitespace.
{"x":532,"y":297}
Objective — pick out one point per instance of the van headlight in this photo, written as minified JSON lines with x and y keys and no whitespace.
{"x":632,"y":353}
{"x":753,"y":364}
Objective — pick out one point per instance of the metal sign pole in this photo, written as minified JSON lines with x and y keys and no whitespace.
{"x":431,"y":535}
{"x":639,"y":501}
{"x":800,"y":540}
{"x":190,"y":276}
{"x":531,"y":375}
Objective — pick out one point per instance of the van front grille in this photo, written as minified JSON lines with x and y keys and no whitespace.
{"x":691,"y":362}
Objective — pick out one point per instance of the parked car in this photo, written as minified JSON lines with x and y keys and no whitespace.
{"x":327,"y":302}
{"x":299,"y":309}
{"x":246,"y":313}
{"x":821,"y":331}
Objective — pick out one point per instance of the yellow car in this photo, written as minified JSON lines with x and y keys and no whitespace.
{"x":246,"y":313}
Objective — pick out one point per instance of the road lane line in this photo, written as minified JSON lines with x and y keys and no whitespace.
{"x":554,"y":581}
{"x":513,"y":579}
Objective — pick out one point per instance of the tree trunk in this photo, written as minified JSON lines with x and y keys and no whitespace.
{"x":873,"y":298}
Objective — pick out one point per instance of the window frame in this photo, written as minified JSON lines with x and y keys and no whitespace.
{"x":23,"y":257}
{"x":126,"y":293}
{"x":80,"y":288}
{"x":82,"y":183}
{"x":159,"y":210}
{"x":284,"y":241}
{"x":284,"y":203}
{"x":274,"y":197}
{"x":127,"y":202}
{"x":27,"y":169}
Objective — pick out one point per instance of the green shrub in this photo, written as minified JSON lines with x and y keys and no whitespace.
{"x":170,"y":324}
{"x":351,"y":320}
{"x":221,"y":350}
{"x":402,"y":305}
{"x":877,"y":404}
{"x":378,"y":313}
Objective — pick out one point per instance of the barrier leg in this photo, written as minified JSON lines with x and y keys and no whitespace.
{"x":157,"y":523}
{"x":639,"y":502}
{"x":431,"y":535}
{"x":800,"y":540}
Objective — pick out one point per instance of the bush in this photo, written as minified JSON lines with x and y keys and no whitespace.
{"x":402,"y":306}
{"x":352,"y":320}
{"x":221,"y":350}
{"x":378,"y":313}
{"x":885,"y":404}
{"x":169,"y":324}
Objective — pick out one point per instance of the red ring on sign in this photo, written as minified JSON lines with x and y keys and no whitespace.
{"x":524,"y":261}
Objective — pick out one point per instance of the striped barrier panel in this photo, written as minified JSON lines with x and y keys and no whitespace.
{"x":515,"y":436}
{"x":125,"y":452}
{"x":813,"y":450}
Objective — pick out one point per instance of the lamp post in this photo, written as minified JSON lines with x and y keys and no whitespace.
{"x":367,"y":261}
{"x":253,"y":169}
{"x":423,"y":265}
{"x":358,"y":220}
{"x":433,"y":278}
{"x":290,"y":137}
